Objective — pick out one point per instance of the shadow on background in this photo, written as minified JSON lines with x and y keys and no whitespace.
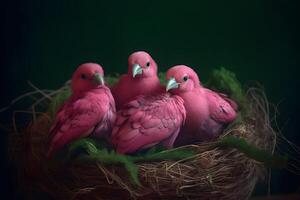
{"x":44,"y":41}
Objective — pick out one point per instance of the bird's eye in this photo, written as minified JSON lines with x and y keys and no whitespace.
{"x":148,"y":64}
{"x":83,"y":76}
{"x":185,"y":78}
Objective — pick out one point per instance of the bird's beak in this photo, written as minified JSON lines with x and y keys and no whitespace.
{"x":98,"y":79}
{"x":137,"y":69}
{"x":172,"y":84}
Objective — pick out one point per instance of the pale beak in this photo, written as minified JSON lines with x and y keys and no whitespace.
{"x":98,"y":79}
{"x":172,"y":84}
{"x":137,"y":69}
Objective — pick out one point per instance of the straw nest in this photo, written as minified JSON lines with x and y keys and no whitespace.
{"x":214,"y":173}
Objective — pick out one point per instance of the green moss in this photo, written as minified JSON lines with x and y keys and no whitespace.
{"x":162,"y":78}
{"x":253,"y":152}
{"x":91,"y":150}
{"x":112,"y":79}
{"x":225,"y":81}
{"x":58,"y":100}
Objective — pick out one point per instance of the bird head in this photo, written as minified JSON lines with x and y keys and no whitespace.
{"x":181,"y":79}
{"x":141,"y":65}
{"x":86,"y":77}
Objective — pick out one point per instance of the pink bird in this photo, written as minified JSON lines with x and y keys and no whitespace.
{"x":89,"y":111}
{"x":147,"y":121}
{"x":141,"y":79}
{"x":208,"y":112}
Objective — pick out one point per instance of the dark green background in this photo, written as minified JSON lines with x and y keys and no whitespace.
{"x":44,"y":41}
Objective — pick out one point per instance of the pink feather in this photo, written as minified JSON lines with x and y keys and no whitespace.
{"x":90,"y":110}
{"x":147,"y":121}
{"x":208,"y":112}
{"x":146,"y":83}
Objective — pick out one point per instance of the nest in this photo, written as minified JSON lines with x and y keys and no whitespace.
{"x":213,"y":173}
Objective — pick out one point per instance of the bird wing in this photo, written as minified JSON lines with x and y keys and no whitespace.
{"x":220,"y":108}
{"x":76,"y":118}
{"x":148,"y":120}
{"x":104,"y":128}
{"x":230,"y":101}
